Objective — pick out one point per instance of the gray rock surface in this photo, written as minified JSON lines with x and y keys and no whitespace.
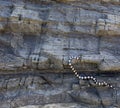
{"x":41,"y":89}
{"x":37,"y":37}
{"x":44,"y":34}
{"x":61,"y":105}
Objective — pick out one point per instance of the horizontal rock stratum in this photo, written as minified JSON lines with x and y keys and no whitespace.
{"x":61,"y":105}
{"x":43,"y":34}
{"x":43,"y":41}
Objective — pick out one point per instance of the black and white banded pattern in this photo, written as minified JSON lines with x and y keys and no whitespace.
{"x":86,"y":77}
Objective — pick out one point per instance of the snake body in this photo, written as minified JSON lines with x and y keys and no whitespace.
{"x":86,"y":77}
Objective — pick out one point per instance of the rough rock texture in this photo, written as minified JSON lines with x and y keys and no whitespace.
{"x":38,"y":37}
{"x":61,"y":105}
{"x":44,"y":34}
{"x":38,"y":89}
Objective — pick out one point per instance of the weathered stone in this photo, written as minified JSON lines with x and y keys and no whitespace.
{"x":2,"y":27}
{"x":75,"y":87}
{"x":45,"y":37}
{"x":61,"y":105}
{"x":109,"y":63}
{"x":25,"y":21}
{"x":109,"y":26}
{"x":92,"y":58}
{"x":13,"y":83}
{"x":118,"y":97}
{"x":84,"y":83}
{"x":86,"y":97}
{"x":45,"y":89}
{"x":111,"y":1}
{"x":39,"y":36}
{"x":107,"y":96}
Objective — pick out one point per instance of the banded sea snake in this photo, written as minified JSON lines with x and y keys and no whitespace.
{"x":86,"y":77}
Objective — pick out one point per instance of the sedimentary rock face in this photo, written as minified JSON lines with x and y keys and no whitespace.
{"x":39,"y":36}
{"x":43,"y":35}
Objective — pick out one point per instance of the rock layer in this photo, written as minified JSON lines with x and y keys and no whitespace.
{"x":39,"y":36}
{"x":44,"y":34}
{"x":42,"y":89}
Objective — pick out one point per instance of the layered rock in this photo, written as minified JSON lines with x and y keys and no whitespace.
{"x":39,"y":36}
{"x":44,"y":35}
{"x":52,"y":89}
{"x":61,"y":105}
{"x":109,"y":26}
